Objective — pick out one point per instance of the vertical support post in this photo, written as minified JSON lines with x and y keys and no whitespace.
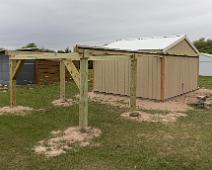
{"x":83,"y":107}
{"x":12,"y":84}
{"x":133,"y":82}
{"x":62,"y":80}
{"x":162,"y":78}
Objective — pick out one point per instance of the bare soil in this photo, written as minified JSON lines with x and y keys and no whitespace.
{"x":63,"y":102}
{"x":17,"y":110}
{"x":60,"y":141}
{"x":147,"y":117}
{"x":177,"y":104}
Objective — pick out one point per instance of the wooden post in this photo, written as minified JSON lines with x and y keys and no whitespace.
{"x":12,"y":84}
{"x":62,"y":80}
{"x":133,"y":82}
{"x":83,"y":106}
{"x":162,"y":79}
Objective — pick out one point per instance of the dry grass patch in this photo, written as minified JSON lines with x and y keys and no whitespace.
{"x":17,"y":110}
{"x":147,"y":117}
{"x":63,"y":102}
{"x":60,"y":142}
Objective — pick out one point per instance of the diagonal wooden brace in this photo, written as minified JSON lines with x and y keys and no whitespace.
{"x":73,"y":71}
{"x":17,"y":68}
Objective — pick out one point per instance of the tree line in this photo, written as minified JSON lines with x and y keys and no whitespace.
{"x":204,"y":45}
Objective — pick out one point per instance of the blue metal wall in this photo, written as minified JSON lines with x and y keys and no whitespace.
{"x":26,"y":76}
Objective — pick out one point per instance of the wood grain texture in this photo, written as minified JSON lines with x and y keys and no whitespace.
{"x":133,"y":82}
{"x":83,"y":105}
{"x":12,"y":84}
{"x":62,"y":80}
{"x":73,"y":71}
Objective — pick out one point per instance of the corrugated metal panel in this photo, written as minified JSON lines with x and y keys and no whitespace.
{"x":113,"y":77}
{"x":26,"y":75}
{"x":151,"y":43}
{"x":181,"y":75}
{"x":205,"y":64}
{"x":182,"y":48}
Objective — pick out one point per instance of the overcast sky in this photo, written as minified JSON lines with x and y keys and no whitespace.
{"x":57,"y":24}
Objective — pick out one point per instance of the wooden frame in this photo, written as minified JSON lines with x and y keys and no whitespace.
{"x":82,"y":54}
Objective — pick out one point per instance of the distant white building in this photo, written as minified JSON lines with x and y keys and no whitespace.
{"x":205,"y":64}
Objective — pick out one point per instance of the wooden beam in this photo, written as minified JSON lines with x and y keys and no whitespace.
{"x":12,"y":84}
{"x":41,"y":56}
{"x":17,"y":68}
{"x":62,"y":80}
{"x":83,"y":106}
{"x":109,"y":57}
{"x":71,"y":56}
{"x":162,"y":78}
{"x":73,"y":71}
{"x":100,"y":50}
{"x":133,"y":82}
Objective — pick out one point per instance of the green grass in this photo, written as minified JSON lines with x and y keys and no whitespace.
{"x":205,"y":81}
{"x":186,"y":144}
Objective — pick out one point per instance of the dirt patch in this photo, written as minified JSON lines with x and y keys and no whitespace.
{"x":147,"y":117}
{"x":60,"y":142}
{"x":177,"y":104}
{"x":17,"y":110}
{"x":114,"y":100}
{"x":63,"y":102}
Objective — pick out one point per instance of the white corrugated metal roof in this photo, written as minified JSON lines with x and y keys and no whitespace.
{"x":154,"y":43}
{"x":206,"y":54}
{"x":203,"y":57}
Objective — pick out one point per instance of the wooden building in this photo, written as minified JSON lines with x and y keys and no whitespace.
{"x":169,"y":68}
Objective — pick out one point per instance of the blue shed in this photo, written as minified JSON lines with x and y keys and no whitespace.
{"x":26,"y":75}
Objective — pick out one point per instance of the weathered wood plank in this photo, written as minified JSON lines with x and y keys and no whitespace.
{"x":73,"y":71}
{"x":62,"y":80}
{"x":133,"y":82}
{"x":83,"y":106}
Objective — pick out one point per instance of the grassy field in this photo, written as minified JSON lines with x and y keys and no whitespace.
{"x":186,"y":144}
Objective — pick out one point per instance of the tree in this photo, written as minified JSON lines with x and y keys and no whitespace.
{"x":204,"y":45}
{"x":66,"y":50}
{"x":30,"y":45}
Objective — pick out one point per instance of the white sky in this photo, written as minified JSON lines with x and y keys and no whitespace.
{"x":57,"y":24}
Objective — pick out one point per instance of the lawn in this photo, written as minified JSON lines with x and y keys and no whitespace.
{"x":124,"y":144}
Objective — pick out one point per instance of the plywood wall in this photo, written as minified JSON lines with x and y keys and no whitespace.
{"x":113,"y":77}
{"x":181,"y":75}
